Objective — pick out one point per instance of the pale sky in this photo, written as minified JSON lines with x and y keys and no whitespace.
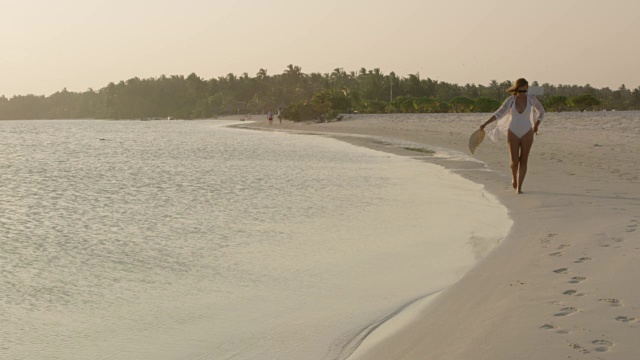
{"x":48,"y":45}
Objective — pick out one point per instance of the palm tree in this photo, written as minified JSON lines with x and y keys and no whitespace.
{"x":293,"y":71}
{"x":495,"y":87}
{"x":262,"y":74}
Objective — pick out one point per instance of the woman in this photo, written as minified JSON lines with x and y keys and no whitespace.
{"x":520,"y":125}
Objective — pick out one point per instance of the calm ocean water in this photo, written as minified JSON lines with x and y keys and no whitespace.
{"x":190,"y":240}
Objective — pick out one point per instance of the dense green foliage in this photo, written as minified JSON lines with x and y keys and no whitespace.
{"x":301,"y":96}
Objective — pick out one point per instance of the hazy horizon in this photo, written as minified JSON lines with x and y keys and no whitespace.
{"x":78,"y":45}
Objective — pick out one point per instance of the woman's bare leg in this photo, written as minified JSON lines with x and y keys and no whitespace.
{"x":525,"y":147}
{"x":514,"y":152}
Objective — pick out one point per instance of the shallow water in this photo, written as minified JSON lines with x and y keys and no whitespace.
{"x":189,"y":240}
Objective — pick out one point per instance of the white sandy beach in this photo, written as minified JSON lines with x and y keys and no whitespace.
{"x":563,"y":284}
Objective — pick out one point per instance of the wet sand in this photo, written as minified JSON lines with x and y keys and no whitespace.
{"x":563,"y":283}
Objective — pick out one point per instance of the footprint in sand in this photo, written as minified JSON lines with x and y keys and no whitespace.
{"x":582,"y":260}
{"x":548,"y":239}
{"x":577,"y":279}
{"x":572,"y":292}
{"x":557,"y":253}
{"x":602,"y":345}
{"x":615,"y":240}
{"x":625,"y":319}
{"x":560,"y":271}
{"x":579,"y":348}
{"x":612,"y":302}
{"x":553,"y":327}
{"x":562,"y":246}
{"x":566,"y":311}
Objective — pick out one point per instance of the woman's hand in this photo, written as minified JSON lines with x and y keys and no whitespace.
{"x":493,"y":118}
{"x":535,"y":127}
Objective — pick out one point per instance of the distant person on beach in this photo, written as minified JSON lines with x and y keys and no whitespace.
{"x":279,"y":115}
{"x":523,"y":116}
{"x":270,"y":117}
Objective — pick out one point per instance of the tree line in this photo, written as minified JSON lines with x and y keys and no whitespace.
{"x":301,"y":96}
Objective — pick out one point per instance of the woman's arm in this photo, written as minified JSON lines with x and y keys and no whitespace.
{"x":493,"y":118}
{"x":502,"y":111}
{"x":539,"y":109}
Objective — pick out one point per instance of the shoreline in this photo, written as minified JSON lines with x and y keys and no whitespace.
{"x":557,"y":285}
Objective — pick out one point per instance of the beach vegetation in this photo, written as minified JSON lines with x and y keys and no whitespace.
{"x":485,"y":105}
{"x":557,"y":103}
{"x":461,"y":104}
{"x":583,"y":102}
{"x":301,"y":96}
{"x":403,"y":104}
{"x":374,"y":107}
{"x":635,"y":99}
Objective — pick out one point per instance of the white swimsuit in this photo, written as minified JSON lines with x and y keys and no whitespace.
{"x":520,"y":123}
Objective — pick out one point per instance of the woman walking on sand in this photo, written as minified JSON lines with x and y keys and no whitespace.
{"x":524,"y":114}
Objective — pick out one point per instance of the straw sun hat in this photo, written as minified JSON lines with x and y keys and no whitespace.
{"x":475,"y":140}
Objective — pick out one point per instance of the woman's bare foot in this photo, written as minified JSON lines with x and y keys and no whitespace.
{"x":514,"y":183}
{"x":519,"y":191}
